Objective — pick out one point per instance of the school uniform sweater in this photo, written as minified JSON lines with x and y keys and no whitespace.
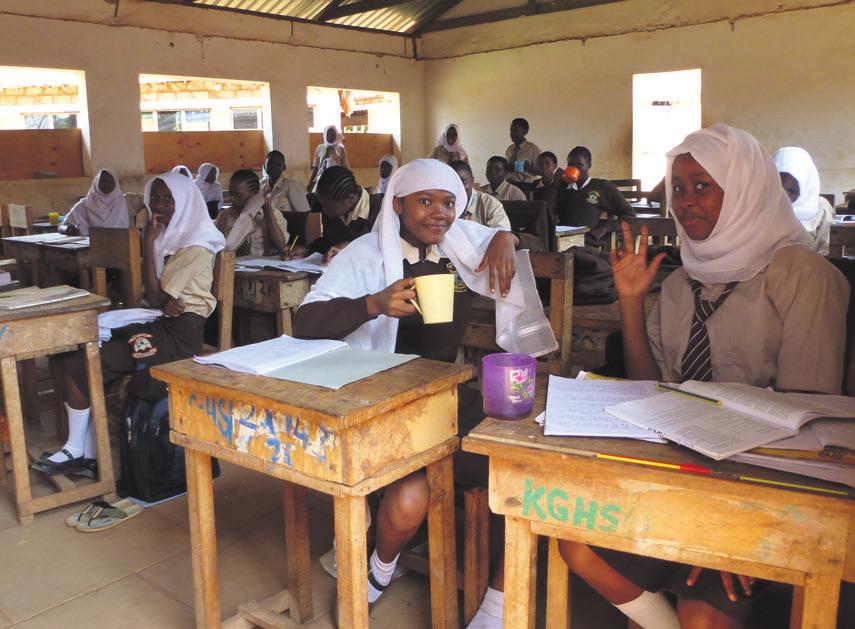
{"x":356,"y":223}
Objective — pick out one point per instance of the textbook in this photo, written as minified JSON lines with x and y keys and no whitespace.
{"x":34,"y":296}
{"x":724,"y":419}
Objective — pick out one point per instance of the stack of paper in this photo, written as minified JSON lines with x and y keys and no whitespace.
{"x":35,"y":296}
{"x":309,"y":264}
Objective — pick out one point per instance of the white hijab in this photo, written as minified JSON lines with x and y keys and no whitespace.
{"x":181,"y":169}
{"x":756,"y":216}
{"x":107,"y":210}
{"x":374,"y":261}
{"x":339,"y":137}
{"x":797,"y":162}
{"x":384,"y":181}
{"x":190,"y":225}
{"x":211,"y":191}
{"x":457,"y":147}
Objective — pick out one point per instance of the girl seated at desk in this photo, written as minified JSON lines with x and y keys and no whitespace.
{"x":365,"y":298}
{"x":178,"y":247}
{"x":207,"y":180}
{"x":251,"y":226}
{"x":103,"y":206}
{"x":752,"y":304}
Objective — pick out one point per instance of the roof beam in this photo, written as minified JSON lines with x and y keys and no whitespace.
{"x":324,"y":15}
{"x":364,"y":6}
{"x":507,"y":14}
{"x":437,"y":11}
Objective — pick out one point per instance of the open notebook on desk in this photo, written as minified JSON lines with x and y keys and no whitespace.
{"x":310,"y":264}
{"x":35,"y":296}
{"x":325,"y":363}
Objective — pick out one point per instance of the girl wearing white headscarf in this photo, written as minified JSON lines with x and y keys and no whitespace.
{"x":209,"y":186}
{"x":178,"y":246}
{"x":98,"y":208}
{"x":450,"y":150}
{"x":364,"y":298}
{"x":181,"y":169}
{"x":778,"y":312}
{"x":800,"y":180}
{"x":329,"y":153}
{"x":392,"y":163}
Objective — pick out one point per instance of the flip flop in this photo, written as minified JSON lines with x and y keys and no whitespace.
{"x":105,"y":518}
{"x":84,"y":516}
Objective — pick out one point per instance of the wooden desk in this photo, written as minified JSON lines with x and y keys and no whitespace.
{"x":567,"y":238}
{"x":26,"y":334}
{"x":28,"y":257}
{"x":71,"y":258}
{"x":273,"y":291}
{"x":44,"y":227}
{"x":346,"y":443}
{"x":554,"y":486}
{"x":842,"y":238}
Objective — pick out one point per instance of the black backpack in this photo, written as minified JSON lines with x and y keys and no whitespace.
{"x":152,"y":466}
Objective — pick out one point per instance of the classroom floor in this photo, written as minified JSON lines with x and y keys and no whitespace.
{"x":138,"y":574}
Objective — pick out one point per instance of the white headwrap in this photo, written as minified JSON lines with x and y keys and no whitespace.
{"x":457,"y":147}
{"x":211,"y":191}
{"x":798,"y":163}
{"x":97,"y":209}
{"x":181,"y":169}
{"x":190,"y":226}
{"x":384,"y":181}
{"x":756,"y":216}
{"x":338,"y":136}
{"x":372,"y":262}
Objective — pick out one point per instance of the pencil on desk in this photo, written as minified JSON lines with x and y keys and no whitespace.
{"x":293,"y":244}
{"x":665,"y":387}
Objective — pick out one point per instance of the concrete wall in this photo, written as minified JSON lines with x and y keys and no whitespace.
{"x":786,"y":76}
{"x":83,"y":35}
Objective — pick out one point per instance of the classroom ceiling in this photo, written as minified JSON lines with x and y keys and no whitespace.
{"x":411,"y":17}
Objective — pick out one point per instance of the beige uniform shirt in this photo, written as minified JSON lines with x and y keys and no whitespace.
{"x":486,"y":210}
{"x":784,"y":328}
{"x":444,"y":155}
{"x":188,"y":275}
{"x":260,"y":242}
{"x":819,"y":227}
{"x":288,"y":195}
{"x":504,"y":192}
{"x":526,"y":151}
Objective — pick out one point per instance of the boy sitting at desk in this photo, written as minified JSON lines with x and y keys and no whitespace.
{"x":365,"y":298}
{"x":496,"y":186}
{"x":481,"y":208}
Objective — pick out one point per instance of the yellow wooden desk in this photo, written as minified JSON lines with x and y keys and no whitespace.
{"x":273,"y":291}
{"x":554,"y":486}
{"x":346,"y":443}
{"x":26,"y":334}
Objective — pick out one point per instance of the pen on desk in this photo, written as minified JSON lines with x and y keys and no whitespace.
{"x":665,"y":387}
{"x":293,"y":244}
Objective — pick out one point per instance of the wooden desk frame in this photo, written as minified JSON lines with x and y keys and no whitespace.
{"x":119,"y":249}
{"x":277,"y":292}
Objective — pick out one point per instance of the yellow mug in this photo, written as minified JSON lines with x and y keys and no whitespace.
{"x":435,"y":297}
{"x":53,"y":217}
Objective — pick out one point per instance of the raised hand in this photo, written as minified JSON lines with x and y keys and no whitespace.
{"x":633,"y":275}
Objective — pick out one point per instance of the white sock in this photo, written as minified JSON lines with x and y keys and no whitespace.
{"x":78,"y":421}
{"x":651,"y":610}
{"x":491,"y":614}
{"x":382,"y":573}
{"x":90,"y":448}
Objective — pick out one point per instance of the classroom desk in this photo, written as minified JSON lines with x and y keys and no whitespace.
{"x":69,"y":258}
{"x":346,"y":443}
{"x":44,"y":227}
{"x":555,"y":486}
{"x":842,"y":238}
{"x":27,"y":334}
{"x":566,"y":238}
{"x":278,"y":292}
{"x":28,"y":259}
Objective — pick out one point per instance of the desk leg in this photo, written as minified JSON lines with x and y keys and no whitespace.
{"x":815,"y":603}
{"x":203,"y":539}
{"x":352,"y":559}
{"x":283,"y":322}
{"x":557,"y":589}
{"x":99,"y":414}
{"x":31,"y":391}
{"x":520,"y":571}
{"x":23,"y":497}
{"x":85,"y":279}
{"x":442,"y":545}
{"x":297,"y":551}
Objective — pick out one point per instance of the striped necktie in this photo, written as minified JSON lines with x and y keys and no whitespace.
{"x":696,"y":360}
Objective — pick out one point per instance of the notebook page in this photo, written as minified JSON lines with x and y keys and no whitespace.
{"x":311,"y":264}
{"x":262,"y":358}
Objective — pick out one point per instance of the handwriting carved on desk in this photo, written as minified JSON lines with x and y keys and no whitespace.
{"x":545,"y":503}
{"x":3,"y":329}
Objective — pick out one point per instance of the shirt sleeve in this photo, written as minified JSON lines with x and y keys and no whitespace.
{"x":297,"y":197}
{"x":496,"y":215}
{"x":77,"y":216}
{"x":183,"y":267}
{"x":279,"y":218}
{"x":330,"y":319}
{"x":654,"y":337}
{"x":516,"y":194}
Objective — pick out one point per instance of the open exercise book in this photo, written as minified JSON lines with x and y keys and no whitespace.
{"x":35,"y":296}
{"x":310,"y":264}
{"x":724,"y":419}
{"x":325,"y":363}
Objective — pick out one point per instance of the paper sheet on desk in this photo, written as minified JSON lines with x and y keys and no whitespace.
{"x":309,"y":264}
{"x":336,"y":369}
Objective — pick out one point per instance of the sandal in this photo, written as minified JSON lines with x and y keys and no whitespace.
{"x":84,"y":516}
{"x":65,"y":467}
{"x":102,"y":518}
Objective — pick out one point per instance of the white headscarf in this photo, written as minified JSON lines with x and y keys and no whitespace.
{"x":797,"y":162}
{"x":181,"y":169}
{"x":97,"y":209}
{"x":384,"y":181}
{"x":372,"y":262}
{"x":190,"y":226}
{"x":211,"y":191}
{"x":756,"y":216}
{"x":457,"y":147}
{"x":339,"y":137}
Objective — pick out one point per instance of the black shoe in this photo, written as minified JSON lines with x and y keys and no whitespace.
{"x":70,"y":466}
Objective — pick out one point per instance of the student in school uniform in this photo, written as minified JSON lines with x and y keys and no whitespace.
{"x":207,"y":180}
{"x":800,"y":180}
{"x":103,"y":206}
{"x":481,"y":208}
{"x":178,"y":248}
{"x":251,"y":226}
{"x":497,"y":186}
{"x":522,"y":156}
{"x":752,"y":304}
{"x":449,"y":147}
{"x":286,"y":195}
{"x":181,"y":169}
{"x":550,"y":183}
{"x":387,"y":166}
{"x":330,"y":153}
{"x":364,"y":299}
{"x":591,"y":202}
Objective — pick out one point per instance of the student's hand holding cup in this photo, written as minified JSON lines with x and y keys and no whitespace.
{"x":633,"y":275}
{"x":394,"y":300}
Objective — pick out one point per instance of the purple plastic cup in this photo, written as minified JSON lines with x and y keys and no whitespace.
{"x":508,"y":385}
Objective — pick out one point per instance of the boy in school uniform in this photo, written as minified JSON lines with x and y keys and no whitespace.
{"x":286,"y":195}
{"x":521,"y":155}
{"x":481,"y":208}
{"x":549,"y":185}
{"x":497,"y":186}
{"x":591,"y":202}
{"x":251,"y":226}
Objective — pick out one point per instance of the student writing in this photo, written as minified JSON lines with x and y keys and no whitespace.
{"x":103,"y":206}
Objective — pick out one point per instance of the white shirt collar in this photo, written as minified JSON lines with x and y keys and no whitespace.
{"x":573,"y":185}
{"x":411,"y":253}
